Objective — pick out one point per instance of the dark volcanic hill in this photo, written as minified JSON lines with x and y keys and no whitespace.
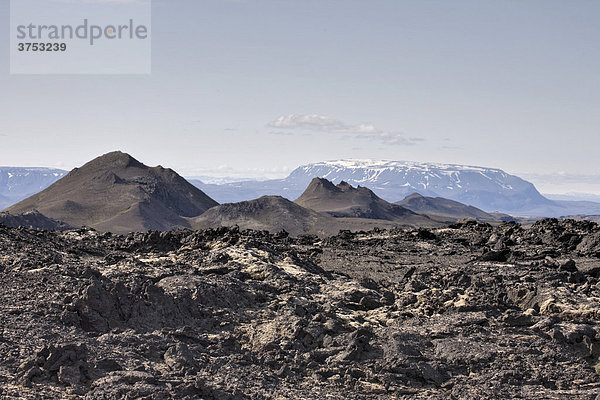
{"x":117,"y":193}
{"x":275,"y":213}
{"x":32,"y":219}
{"x":444,"y":208}
{"x":271,"y":213}
{"x":343,"y":200}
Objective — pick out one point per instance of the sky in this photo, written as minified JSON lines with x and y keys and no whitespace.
{"x":255,"y":88}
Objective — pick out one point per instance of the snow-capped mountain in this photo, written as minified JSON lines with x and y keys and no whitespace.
{"x":18,"y":183}
{"x":487,"y":188}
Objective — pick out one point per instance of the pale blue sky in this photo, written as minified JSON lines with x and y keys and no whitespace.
{"x":256,"y":88}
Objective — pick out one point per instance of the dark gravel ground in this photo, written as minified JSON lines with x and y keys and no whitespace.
{"x":465,"y":312}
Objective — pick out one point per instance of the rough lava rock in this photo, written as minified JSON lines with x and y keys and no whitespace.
{"x":470,"y":311}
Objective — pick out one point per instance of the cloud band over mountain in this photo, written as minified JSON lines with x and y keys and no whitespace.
{"x":326,"y":124}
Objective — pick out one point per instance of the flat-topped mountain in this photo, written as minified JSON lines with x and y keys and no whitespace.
{"x":489,"y":189}
{"x":117,"y":193}
{"x":343,"y":200}
{"x":444,"y":208}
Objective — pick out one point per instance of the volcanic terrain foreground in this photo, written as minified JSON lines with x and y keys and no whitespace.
{"x":465,"y":312}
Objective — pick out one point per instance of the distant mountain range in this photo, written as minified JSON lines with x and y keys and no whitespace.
{"x":18,"y":183}
{"x":487,"y":189}
{"x":117,"y":193}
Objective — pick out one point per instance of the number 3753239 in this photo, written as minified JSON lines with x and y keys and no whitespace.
{"x":42,"y":46}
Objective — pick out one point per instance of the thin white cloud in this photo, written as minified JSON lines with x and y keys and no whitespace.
{"x":326,"y":124}
{"x":319,"y":123}
{"x":236,"y":174}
